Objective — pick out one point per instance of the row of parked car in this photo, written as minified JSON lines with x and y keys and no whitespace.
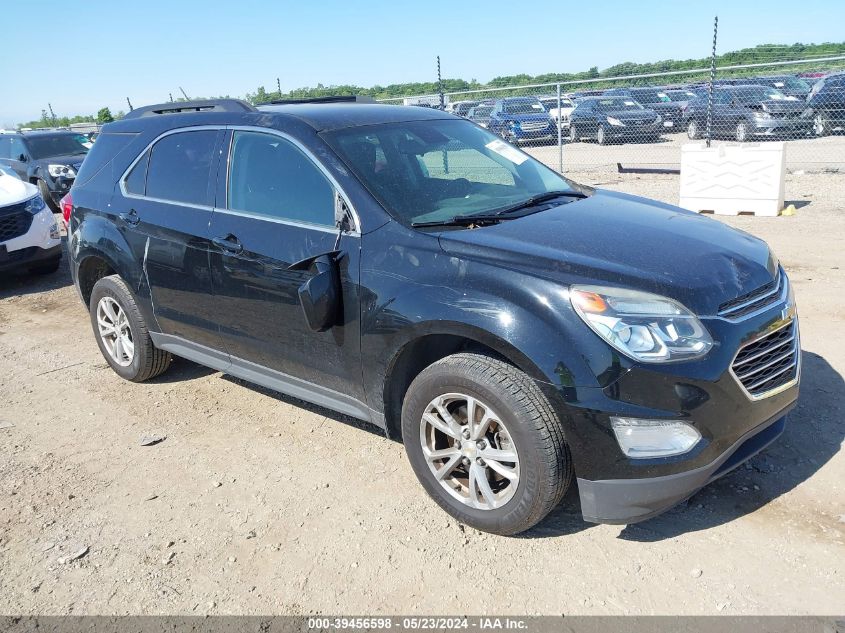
{"x":765,"y":107}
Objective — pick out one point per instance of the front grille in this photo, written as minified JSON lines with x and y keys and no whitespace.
{"x":769,"y":362}
{"x":534,"y":126}
{"x":755,"y":300}
{"x":15,"y":221}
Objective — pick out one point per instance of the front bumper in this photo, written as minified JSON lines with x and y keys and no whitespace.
{"x":628,"y":132}
{"x":778,"y":127}
{"x":27,"y":257}
{"x":624,"y":501}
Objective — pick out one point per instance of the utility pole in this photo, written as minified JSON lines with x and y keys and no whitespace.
{"x":129,"y":103}
{"x":710,"y":84}
{"x":187,"y":98}
{"x":279,"y":87}
{"x":171,"y":96}
{"x":52,"y":114}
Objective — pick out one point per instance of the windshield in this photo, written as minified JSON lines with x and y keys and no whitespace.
{"x":425,"y":171}
{"x":750,"y":96}
{"x":47,"y":146}
{"x":650,"y":96}
{"x":617,"y":103}
{"x":680,"y":95}
{"x":482,"y":111}
{"x":522,"y":107}
{"x":791,"y":83}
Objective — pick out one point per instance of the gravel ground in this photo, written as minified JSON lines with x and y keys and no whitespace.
{"x":256,"y":503}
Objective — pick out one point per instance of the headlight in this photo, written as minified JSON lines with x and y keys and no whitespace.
{"x":658,"y":119}
{"x":762,"y":115}
{"x":513,"y":124}
{"x":614,"y":121}
{"x":643,"y":326}
{"x":640,"y":438}
{"x":35,"y":205}
{"x":61,"y":170}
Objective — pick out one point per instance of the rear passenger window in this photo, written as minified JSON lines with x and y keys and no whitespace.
{"x":137,"y":179}
{"x":180,"y":165}
{"x":272,"y":177}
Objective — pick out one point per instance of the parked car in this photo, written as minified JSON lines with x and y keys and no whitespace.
{"x":411,"y":269}
{"x":653,"y":99}
{"x":480,"y":114}
{"x":50,"y":160}
{"x":608,"y":119}
{"x":567,"y":105}
{"x":461,"y":108}
{"x":826,"y":104}
{"x":751,"y":111}
{"x":683,"y":98}
{"x":29,"y":235}
{"x":521,"y":119}
{"x":789,"y":85}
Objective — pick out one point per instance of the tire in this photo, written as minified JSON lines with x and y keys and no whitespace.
{"x":601,"y":135}
{"x":45,"y":193}
{"x":522,"y":424}
{"x":741,"y":131}
{"x":146,"y":360}
{"x":693,"y":132}
{"x":47,"y":267}
{"x":821,"y":125}
{"x":573,"y":133}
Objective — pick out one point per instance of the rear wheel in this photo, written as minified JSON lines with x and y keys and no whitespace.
{"x":122,"y":334}
{"x":485,"y":443}
{"x":573,"y":133}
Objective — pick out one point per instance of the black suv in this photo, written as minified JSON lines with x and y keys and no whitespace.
{"x":49,"y":159}
{"x":409,"y":268}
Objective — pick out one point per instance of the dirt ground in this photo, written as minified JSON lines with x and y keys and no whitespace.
{"x":256,"y":503}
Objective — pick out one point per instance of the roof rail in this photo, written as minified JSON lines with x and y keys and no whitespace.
{"x":327,"y":99}
{"x":179,"y":107}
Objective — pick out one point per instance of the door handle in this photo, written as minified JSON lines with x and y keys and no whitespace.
{"x":131,"y":218}
{"x":229,"y":243}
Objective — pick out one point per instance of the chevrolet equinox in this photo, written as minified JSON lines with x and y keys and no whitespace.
{"x":403,"y":266}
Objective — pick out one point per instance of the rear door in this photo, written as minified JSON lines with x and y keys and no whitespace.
{"x":165,"y":211}
{"x":275,"y":207}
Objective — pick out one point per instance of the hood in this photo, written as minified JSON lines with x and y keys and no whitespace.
{"x":666,"y":106}
{"x":14,"y":191}
{"x":631,"y":115}
{"x":538,"y":116}
{"x":622,"y":240}
{"x":72,"y":160}
{"x":781,"y":106}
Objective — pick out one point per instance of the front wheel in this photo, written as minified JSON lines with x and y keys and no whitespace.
{"x":821,"y":126}
{"x":741,"y":131}
{"x":693,"y":133}
{"x":601,"y":135}
{"x":573,"y":133}
{"x":485,"y":443}
{"x":122,"y":334}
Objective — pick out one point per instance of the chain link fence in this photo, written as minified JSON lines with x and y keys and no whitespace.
{"x":592,"y":128}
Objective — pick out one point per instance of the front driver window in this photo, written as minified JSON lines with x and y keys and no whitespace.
{"x":271,"y":177}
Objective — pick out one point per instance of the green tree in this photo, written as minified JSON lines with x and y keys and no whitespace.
{"x":104,"y":116}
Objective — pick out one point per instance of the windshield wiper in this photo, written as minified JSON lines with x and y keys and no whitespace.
{"x":538,"y":199}
{"x":462,"y":220}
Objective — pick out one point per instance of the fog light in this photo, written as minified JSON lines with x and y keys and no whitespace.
{"x":640,"y":438}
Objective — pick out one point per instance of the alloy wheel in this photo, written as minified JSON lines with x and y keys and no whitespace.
{"x":819,"y":125}
{"x":741,"y":131}
{"x":469,"y":451}
{"x":115,"y":332}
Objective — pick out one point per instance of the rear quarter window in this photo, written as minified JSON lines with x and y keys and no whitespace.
{"x":104,"y":150}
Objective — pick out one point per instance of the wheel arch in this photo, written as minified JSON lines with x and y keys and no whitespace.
{"x":425,"y":347}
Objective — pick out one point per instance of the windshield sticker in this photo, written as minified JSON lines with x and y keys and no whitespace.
{"x":506,"y":151}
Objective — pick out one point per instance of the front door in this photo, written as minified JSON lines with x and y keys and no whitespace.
{"x":275,"y":207}
{"x":165,"y":212}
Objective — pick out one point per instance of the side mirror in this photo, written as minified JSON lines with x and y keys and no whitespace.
{"x":22,"y":158}
{"x":321,"y":296}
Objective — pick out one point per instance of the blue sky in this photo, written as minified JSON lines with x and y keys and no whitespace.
{"x":96,"y":53}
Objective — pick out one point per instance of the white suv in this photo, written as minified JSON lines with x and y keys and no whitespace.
{"x":29,"y":234}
